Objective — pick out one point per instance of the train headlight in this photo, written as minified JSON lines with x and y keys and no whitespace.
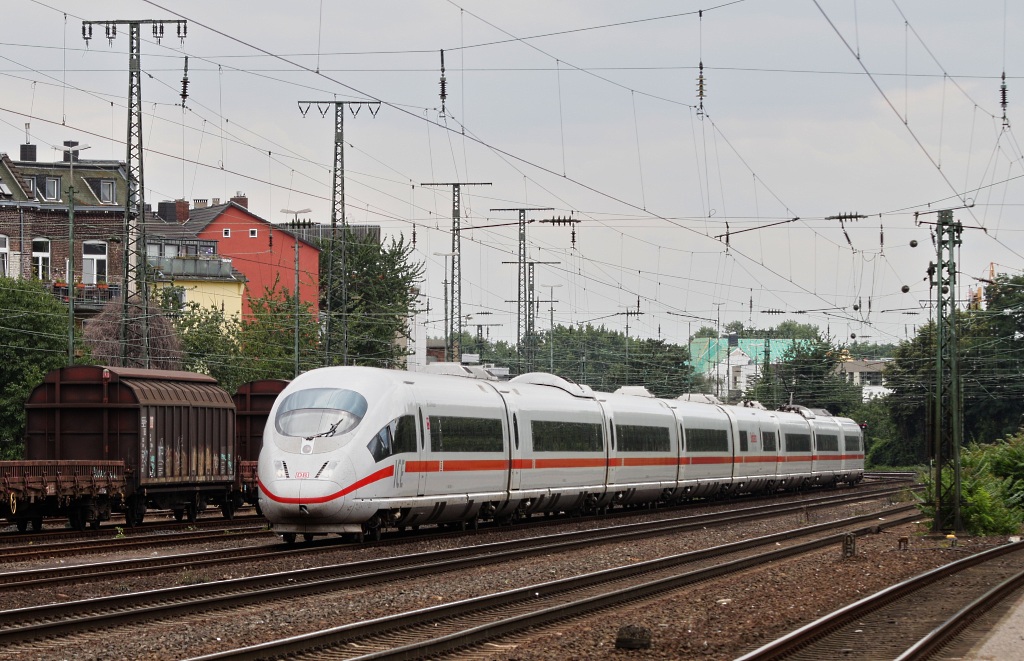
{"x":328,"y":470}
{"x":279,"y":469}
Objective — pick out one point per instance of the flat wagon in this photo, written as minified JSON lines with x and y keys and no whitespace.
{"x":145,"y":438}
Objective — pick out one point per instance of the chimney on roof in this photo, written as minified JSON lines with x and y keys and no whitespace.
{"x":241,"y":200}
{"x":200,"y":203}
{"x":181,"y":211}
{"x":28,"y":150}
{"x":72,"y":154}
{"x":216,"y":201}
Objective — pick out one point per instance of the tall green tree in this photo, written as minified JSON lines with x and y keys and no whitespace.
{"x":267,"y":337}
{"x":381,"y":282}
{"x":33,"y":341}
{"x":209,"y":339}
{"x":807,"y":377}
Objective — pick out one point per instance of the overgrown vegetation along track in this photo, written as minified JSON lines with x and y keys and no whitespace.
{"x":120,"y":568}
{"x":451,"y":628}
{"x":100,"y":613}
{"x":911,"y":620}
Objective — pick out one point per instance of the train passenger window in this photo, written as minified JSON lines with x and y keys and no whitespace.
{"x":457,"y":434}
{"x":798,"y":442}
{"x":851,"y":443}
{"x":743,"y":441}
{"x":320,"y":412}
{"x":515,"y":429}
{"x":827,"y":443}
{"x":768,"y":441}
{"x":707,"y":440}
{"x":639,"y":438}
{"x":556,"y":436}
{"x":423,"y":427}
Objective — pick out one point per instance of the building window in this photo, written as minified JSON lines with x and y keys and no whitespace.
{"x":253,"y":233}
{"x":30,"y":187}
{"x":52,"y":191}
{"x":3,"y":256}
{"x":41,"y":258}
{"x":107,"y":191}
{"x":94,"y":262}
{"x":227,"y":233}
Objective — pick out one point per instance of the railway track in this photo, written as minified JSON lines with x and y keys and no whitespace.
{"x":28,"y":624}
{"x":452,"y":628}
{"x":912,"y":620}
{"x":118,"y":529}
{"x":65,"y":573}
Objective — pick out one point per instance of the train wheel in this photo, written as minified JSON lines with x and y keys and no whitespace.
{"x":307,"y":538}
{"x":192,"y":512}
{"x":22,"y":525}
{"x":95,"y":524}
{"x":288,"y":537}
{"x":179,"y":515}
{"x":37,"y":524}
{"x":227,"y":508}
{"x":375,"y":534}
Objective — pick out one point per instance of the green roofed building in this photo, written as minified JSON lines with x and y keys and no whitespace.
{"x":732,"y":363}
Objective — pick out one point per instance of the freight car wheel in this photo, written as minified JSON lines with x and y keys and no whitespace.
{"x":307,"y":537}
{"x":288,"y":537}
{"x":37,"y":524}
{"x":227,"y":508}
{"x":179,"y":515}
{"x":95,"y":524}
{"x":192,"y":512}
{"x":22,"y":525}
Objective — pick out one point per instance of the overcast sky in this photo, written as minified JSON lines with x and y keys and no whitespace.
{"x":812,"y":109}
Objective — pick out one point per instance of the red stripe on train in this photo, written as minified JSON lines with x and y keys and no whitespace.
{"x":384,"y":473}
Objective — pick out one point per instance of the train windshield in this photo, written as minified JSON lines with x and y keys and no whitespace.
{"x":320,"y":412}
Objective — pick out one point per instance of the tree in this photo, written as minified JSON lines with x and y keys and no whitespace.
{"x":33,"y":341}
{"x":807,"y":377}
{"x":381,"y":281}
{"x":267,"y":337}
{"x":705,"y":331}
{"x":209,"y":340}
{"x":102,"y":336}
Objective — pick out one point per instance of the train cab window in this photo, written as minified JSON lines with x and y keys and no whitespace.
{"x":320,"y":412}
{"x":405,"y":435}
{"x":380,"y":446}
{"x":768,"y":441}
{"x":743,"y":441}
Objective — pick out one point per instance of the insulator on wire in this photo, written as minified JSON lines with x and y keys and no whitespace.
{"x":184,"y":84}
{"x":158,"y":31}
{"x":182,"y":30}
{"x":86,"y":33}
{"x":444,"y":85}
{"x":111,"y":30}
{"x":1002,"y":100}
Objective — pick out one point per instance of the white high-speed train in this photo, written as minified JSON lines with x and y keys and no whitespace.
{"x":358,"y":449}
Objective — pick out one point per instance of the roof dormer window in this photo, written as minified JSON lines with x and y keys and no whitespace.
{"x":52,"y":191}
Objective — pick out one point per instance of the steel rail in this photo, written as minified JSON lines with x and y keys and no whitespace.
{"x":317,"y":643}
{"x":51,"y":575}
{"x":823,"y":626}
{"x":60,"y":618}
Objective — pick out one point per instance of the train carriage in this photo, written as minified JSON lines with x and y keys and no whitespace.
{"x":355,"y":449}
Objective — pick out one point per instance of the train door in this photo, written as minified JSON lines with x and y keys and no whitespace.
{"x":611,"y":454}
{"x":423,"y":424}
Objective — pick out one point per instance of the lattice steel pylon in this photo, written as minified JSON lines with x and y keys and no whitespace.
{"x":338,"y":212}
{"x":454,"y":330}
{"x":948,"y":404}
{"x":134,"y":327}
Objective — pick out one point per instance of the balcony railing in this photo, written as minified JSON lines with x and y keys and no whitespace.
{"x":87,"y":295}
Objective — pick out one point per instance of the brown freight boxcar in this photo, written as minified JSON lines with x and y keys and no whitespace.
{"x":173,"y":431}
{"x":253,"y":401}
